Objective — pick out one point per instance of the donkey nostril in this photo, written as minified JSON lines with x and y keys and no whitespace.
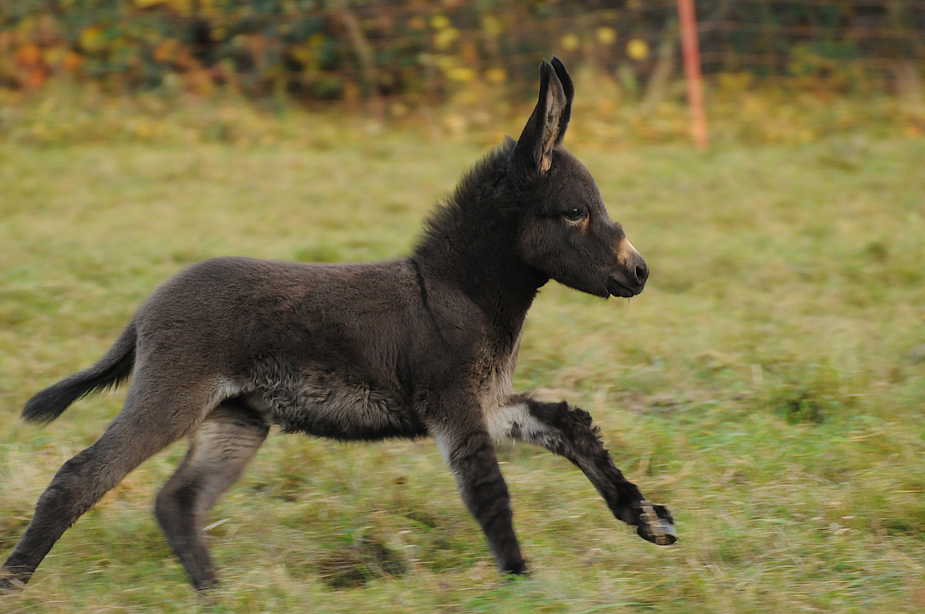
{"x":642,"y":272}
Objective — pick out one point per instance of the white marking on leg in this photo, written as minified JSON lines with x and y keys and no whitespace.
{"x":515,"y":422}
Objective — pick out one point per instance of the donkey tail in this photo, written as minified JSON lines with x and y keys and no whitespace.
{"x":109,"y":371}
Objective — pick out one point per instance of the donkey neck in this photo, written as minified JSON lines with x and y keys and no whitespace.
{"x":497,"y":285}
{"x":481,"y":260}
{"x":471,"y":243}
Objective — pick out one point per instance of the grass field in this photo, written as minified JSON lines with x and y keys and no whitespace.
{"x":767,"y":386}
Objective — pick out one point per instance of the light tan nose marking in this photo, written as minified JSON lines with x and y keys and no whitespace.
{"x":625,"y":250}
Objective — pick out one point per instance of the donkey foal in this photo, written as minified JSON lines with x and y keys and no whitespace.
{"x":420,"y":346}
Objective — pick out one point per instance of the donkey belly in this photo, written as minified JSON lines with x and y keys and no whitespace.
{"x":330,"y":404}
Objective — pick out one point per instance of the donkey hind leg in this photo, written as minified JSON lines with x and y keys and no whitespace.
{"x":472,"y":458}
{"x":568,"y":431}
{"x":153,"y":417}
{"x":219,"y":451}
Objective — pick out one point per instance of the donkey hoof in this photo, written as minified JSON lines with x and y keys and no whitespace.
{"x":10,"y":583}
{"x":659,"y":533}
{"x":654,"y":527}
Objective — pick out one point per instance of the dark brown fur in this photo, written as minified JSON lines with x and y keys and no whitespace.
{"x":420,"y":346}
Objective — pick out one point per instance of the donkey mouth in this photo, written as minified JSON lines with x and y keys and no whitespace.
{"x":618,"y":287}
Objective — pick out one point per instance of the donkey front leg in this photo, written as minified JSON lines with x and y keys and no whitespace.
{"x":471,"y":456}
{"x":568,"y":431}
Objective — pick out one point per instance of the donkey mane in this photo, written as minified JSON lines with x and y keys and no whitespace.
{"x":477,"y":207}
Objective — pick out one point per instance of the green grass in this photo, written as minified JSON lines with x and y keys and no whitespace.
{"x":767,"y":386}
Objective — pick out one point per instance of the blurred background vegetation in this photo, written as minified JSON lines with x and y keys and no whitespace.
{"x":399,"y":59}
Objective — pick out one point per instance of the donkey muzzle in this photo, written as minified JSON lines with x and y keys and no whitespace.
{"x":630,"y":278}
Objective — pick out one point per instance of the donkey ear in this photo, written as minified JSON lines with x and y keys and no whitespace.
{"x":546,"y":126}
{"x":569,"y":91}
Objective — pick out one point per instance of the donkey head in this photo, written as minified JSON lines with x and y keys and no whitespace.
{"x":566,"y":233}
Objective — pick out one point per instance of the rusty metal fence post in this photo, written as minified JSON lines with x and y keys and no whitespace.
{"x":690,"y":50}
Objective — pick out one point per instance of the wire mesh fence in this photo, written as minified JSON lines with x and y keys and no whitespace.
{"x":424,"y":51}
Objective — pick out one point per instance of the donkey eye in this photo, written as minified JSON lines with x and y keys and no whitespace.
{"x":573,"y":215}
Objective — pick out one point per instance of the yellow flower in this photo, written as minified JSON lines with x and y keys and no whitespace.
{"x":445,"y":37}
{"x":461,"y":73}
{"x":637,"y":49}
{"x":606,"y":35}
{"x":91,"y":38}
{"x":496,"y":76}
{"x":570,"y":42}
{"x":439,"y":22}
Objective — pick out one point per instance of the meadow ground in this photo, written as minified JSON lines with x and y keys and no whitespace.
{"x":767,"y":386}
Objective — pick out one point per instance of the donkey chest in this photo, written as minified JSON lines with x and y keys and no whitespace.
{"x":496,"y":386}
